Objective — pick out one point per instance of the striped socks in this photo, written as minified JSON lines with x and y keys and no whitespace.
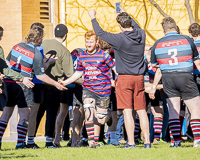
{"x":3,"y":126}
{"x":137,"y":128}
{"x":21,"y":130}
{"x":157,"y":125}
{"x":96,"y":139}
{"x":195,"y":125}
{"x":89,"y":125}
{"x":30,"y":140}
{"x":175,"y":127}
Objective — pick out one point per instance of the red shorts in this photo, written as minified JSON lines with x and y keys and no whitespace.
{"x":130,"y":92}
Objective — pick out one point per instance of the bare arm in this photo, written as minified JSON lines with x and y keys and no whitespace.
{"x":46,"y":79}
{"x":72,"y":79}
{"x":148,"y":87}
{"x":114,"y":69}
{"x":157,"y":78}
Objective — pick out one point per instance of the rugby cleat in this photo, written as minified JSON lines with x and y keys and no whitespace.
{"x":129,"y":146}
{"x":33,"y":146}
{"x":21,"y":146}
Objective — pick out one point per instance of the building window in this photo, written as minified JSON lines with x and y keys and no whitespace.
{"x":45,"y":10}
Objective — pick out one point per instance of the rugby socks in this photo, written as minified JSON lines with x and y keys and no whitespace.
{"x":157,"y":125}
{"x":195,"y":125}
{"x":137,"y":128}
{"x":3,"y":126}
{"x":175,"y":127}
{"x":30,"y":140}
{"x":96,"y":139}
{"x":89,"y":125}
{"x":49,"y":140}
{"x":21,"y":130}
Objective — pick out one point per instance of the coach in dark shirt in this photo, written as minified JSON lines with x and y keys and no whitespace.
{"x":129,"y":54}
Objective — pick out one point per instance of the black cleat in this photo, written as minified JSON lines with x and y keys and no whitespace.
{"x":50,"y":145}
{"x":69,"y":144}
{"x":84,"y":143}
{"x":33,"y":146}
{"x":21,"y":145}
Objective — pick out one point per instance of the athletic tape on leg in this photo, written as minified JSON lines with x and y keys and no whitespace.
{"x":89,"y":106}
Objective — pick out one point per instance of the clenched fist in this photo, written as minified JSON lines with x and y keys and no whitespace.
{"x":92,"y":13}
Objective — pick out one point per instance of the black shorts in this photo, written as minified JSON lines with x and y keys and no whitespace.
{"x":101,"y":102}
{"x":113,"y":100}
{"x":15,"y":95}
{"x":154,"y":102}
{"x":38,"y":91}
{"x":77,"y":96}
{"x":179,"y":84}
{"x":64,"y":97}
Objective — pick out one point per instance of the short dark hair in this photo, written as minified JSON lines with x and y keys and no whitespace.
{"x":194,"y":29}
{"x":35,"y":35}
{"x":1,"y":31}
{"x":124,"y":20}
{"x":168,"y":23}
{"x":37,"y":24}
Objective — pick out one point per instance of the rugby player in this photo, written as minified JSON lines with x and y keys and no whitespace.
{"x":175,"y":55}
{"x":94,"y":64}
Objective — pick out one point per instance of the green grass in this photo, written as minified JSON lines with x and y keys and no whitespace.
{"x":159,"y":151}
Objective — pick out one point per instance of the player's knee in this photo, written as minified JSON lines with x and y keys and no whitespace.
{"x":102,"y":115}
{"x":88,"y":108}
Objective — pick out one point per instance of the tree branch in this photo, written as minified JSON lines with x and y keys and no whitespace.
{"x":158,"y":8}
{"x":196,"y":11}
{"x":146,"y":21}
{"x":187,"y":5}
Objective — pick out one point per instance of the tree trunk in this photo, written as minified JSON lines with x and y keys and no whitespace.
{"x":196,"y":11}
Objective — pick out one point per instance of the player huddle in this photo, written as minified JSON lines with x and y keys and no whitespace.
{"x":101,"y":86}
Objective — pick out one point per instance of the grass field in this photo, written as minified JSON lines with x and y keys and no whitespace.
{"x":159,"y":151}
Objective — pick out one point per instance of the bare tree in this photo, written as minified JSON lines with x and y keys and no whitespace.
{"x":191,"y":17}
{"x":143,"y":14}
{"x":158,"y":8}
{"x":196,"y":11}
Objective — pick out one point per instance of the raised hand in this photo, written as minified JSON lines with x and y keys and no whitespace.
{"x":92,"y":13}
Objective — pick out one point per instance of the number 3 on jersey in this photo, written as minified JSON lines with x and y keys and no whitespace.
{"x":173,"y":52}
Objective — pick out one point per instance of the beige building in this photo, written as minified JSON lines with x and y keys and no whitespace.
{"x":16,"y":17}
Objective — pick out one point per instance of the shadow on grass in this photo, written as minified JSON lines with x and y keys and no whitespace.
{"x":13,"y":155}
